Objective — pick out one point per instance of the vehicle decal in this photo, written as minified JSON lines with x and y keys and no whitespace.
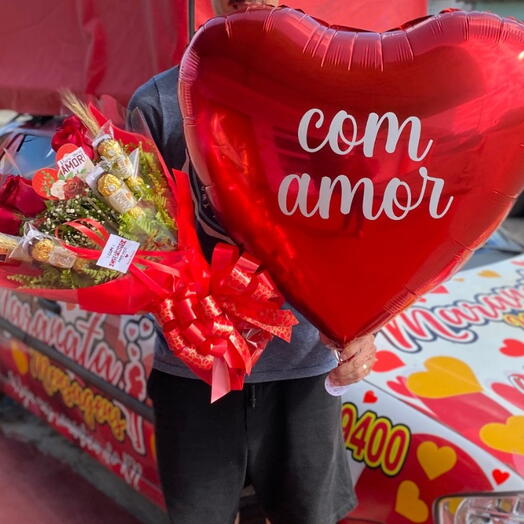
{"x":374,"y":440}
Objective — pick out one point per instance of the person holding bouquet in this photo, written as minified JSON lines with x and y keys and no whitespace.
{"x":282,"y":432}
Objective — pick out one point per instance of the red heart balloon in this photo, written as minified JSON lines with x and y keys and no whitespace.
{"x":361,"y":168}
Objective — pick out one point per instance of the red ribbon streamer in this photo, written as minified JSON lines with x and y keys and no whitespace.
{"x":230,"y":320}
{"x":218,"y":320}
{"x":99,"y":235}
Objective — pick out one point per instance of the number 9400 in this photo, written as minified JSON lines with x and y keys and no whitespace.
{"x":375,"y":440}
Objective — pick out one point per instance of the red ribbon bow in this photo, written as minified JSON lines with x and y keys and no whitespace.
{"x":219,"y":330}
{"x":217,"y":322}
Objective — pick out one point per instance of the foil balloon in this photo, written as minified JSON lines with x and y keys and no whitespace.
{"x":361,"y":168}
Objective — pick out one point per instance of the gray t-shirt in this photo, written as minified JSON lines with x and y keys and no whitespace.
{"x":305,"y":356}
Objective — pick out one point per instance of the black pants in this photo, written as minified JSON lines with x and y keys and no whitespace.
{"x":284,"y":436}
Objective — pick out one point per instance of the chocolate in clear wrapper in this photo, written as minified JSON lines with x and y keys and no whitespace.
{"x":114,"y":157}
{"x":109,"y":148}
{"x":125,"y":167}
{"x":8,"y":244}
{"x":46,"y":251}
{"x":37,"y":246}
{"x":117,"y":195}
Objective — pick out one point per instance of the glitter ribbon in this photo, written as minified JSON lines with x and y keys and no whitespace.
{"x":219,"y":330}
{"x":143,"y":260}
{"x":218,"y":319}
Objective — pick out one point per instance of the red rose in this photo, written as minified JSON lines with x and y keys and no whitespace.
{"x":10,"y":222}
{"x":72,"y":131}
{"x":73,"y":187}
{"x":18,"y":194}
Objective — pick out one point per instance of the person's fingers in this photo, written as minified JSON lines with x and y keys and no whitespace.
{"x":344,"y":377}
{"x":362,"y":345}
{"x":353,"y":370}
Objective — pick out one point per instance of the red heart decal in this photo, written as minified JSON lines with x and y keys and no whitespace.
{"x":65,"y":149}
{"x":500,"y":476}
{"x":512,"y":348}
{"x":369,"y":397}
{"x":146,"y":327}
{"x":43,"y":181}
{"x":362,"y":169}
{"x":387,"y":361}
{"x":440,"y":290}
{"x":132,"y":332}
{"x":399,"y":386}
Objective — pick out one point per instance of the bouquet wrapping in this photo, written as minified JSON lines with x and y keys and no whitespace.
{"x":111,"y":229}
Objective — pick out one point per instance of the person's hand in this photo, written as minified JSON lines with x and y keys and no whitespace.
{"x":355,"y":359}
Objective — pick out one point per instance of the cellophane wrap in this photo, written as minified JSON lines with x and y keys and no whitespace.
{"x":216,"y":317}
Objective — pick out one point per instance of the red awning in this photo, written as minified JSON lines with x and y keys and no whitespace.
{"x":97,"y":47}
{"x":373,"y":15}
{"x":94,"y":47}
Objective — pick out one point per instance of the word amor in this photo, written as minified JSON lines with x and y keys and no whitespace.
{"x":398,"y":198}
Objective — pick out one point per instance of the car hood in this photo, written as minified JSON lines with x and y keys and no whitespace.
{"x":456,"y":355}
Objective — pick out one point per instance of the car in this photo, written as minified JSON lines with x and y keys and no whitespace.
{"x":433,"y":433}
{"x":84,"y":373}
{"x":441,"y":415}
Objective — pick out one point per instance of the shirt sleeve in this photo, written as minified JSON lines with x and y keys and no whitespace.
{"x":158,"y":102}
{"x":147,"y":100}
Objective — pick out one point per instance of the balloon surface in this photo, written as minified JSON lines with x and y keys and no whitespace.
{"x":361,"y":168}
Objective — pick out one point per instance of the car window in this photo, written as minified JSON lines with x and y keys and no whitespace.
{"x":30,"y":153}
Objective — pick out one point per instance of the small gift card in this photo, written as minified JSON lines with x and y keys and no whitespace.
{"x":69,"y":179}
{"x":118,"y":253}
{"x":43,"y":181}
{"x":73,"y":161}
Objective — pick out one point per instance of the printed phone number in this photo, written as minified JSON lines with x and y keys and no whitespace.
{"x":375,"y":440}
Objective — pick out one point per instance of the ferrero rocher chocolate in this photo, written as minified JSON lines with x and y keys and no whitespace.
{"x":49,"y":252}
{"x":81,"y":264}
{"x":112,"y":152}
{"x":136,"y":212}
{"x":109,"y":148}
{"x":136,"y":184}
{"x":108,"y":184}
{"x":8,"y":244}
{"x":41,"y":250}
{"x":122,"y":167}
{"x":117,"y":194}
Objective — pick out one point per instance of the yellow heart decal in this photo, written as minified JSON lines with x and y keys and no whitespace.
{"x":435,"y":461}
{"x":445,"y":377}
{"x":408,"y":503}
{"x":489,"y":273}
{"x":20,"y":358}
{"x":508,"y":437}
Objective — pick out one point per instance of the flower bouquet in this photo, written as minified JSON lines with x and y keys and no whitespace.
{"x":112,"y":230}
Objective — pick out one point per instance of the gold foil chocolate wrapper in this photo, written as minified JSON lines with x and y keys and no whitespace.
{"x":117,"y":194}
{"x":136,"y":184}
{"x":8,"y":244}
{"x":41,"y":250}
{"x":108,"y":184}
{"x":49,"y":252}
{"x":110,"y":149}
{"x":81,"y":264}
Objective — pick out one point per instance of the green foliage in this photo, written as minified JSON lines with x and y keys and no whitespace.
{"x":59,"y":212}
{"x":156,"y":188}
{"x":52,"y":277}
{"x":154,"y":229}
